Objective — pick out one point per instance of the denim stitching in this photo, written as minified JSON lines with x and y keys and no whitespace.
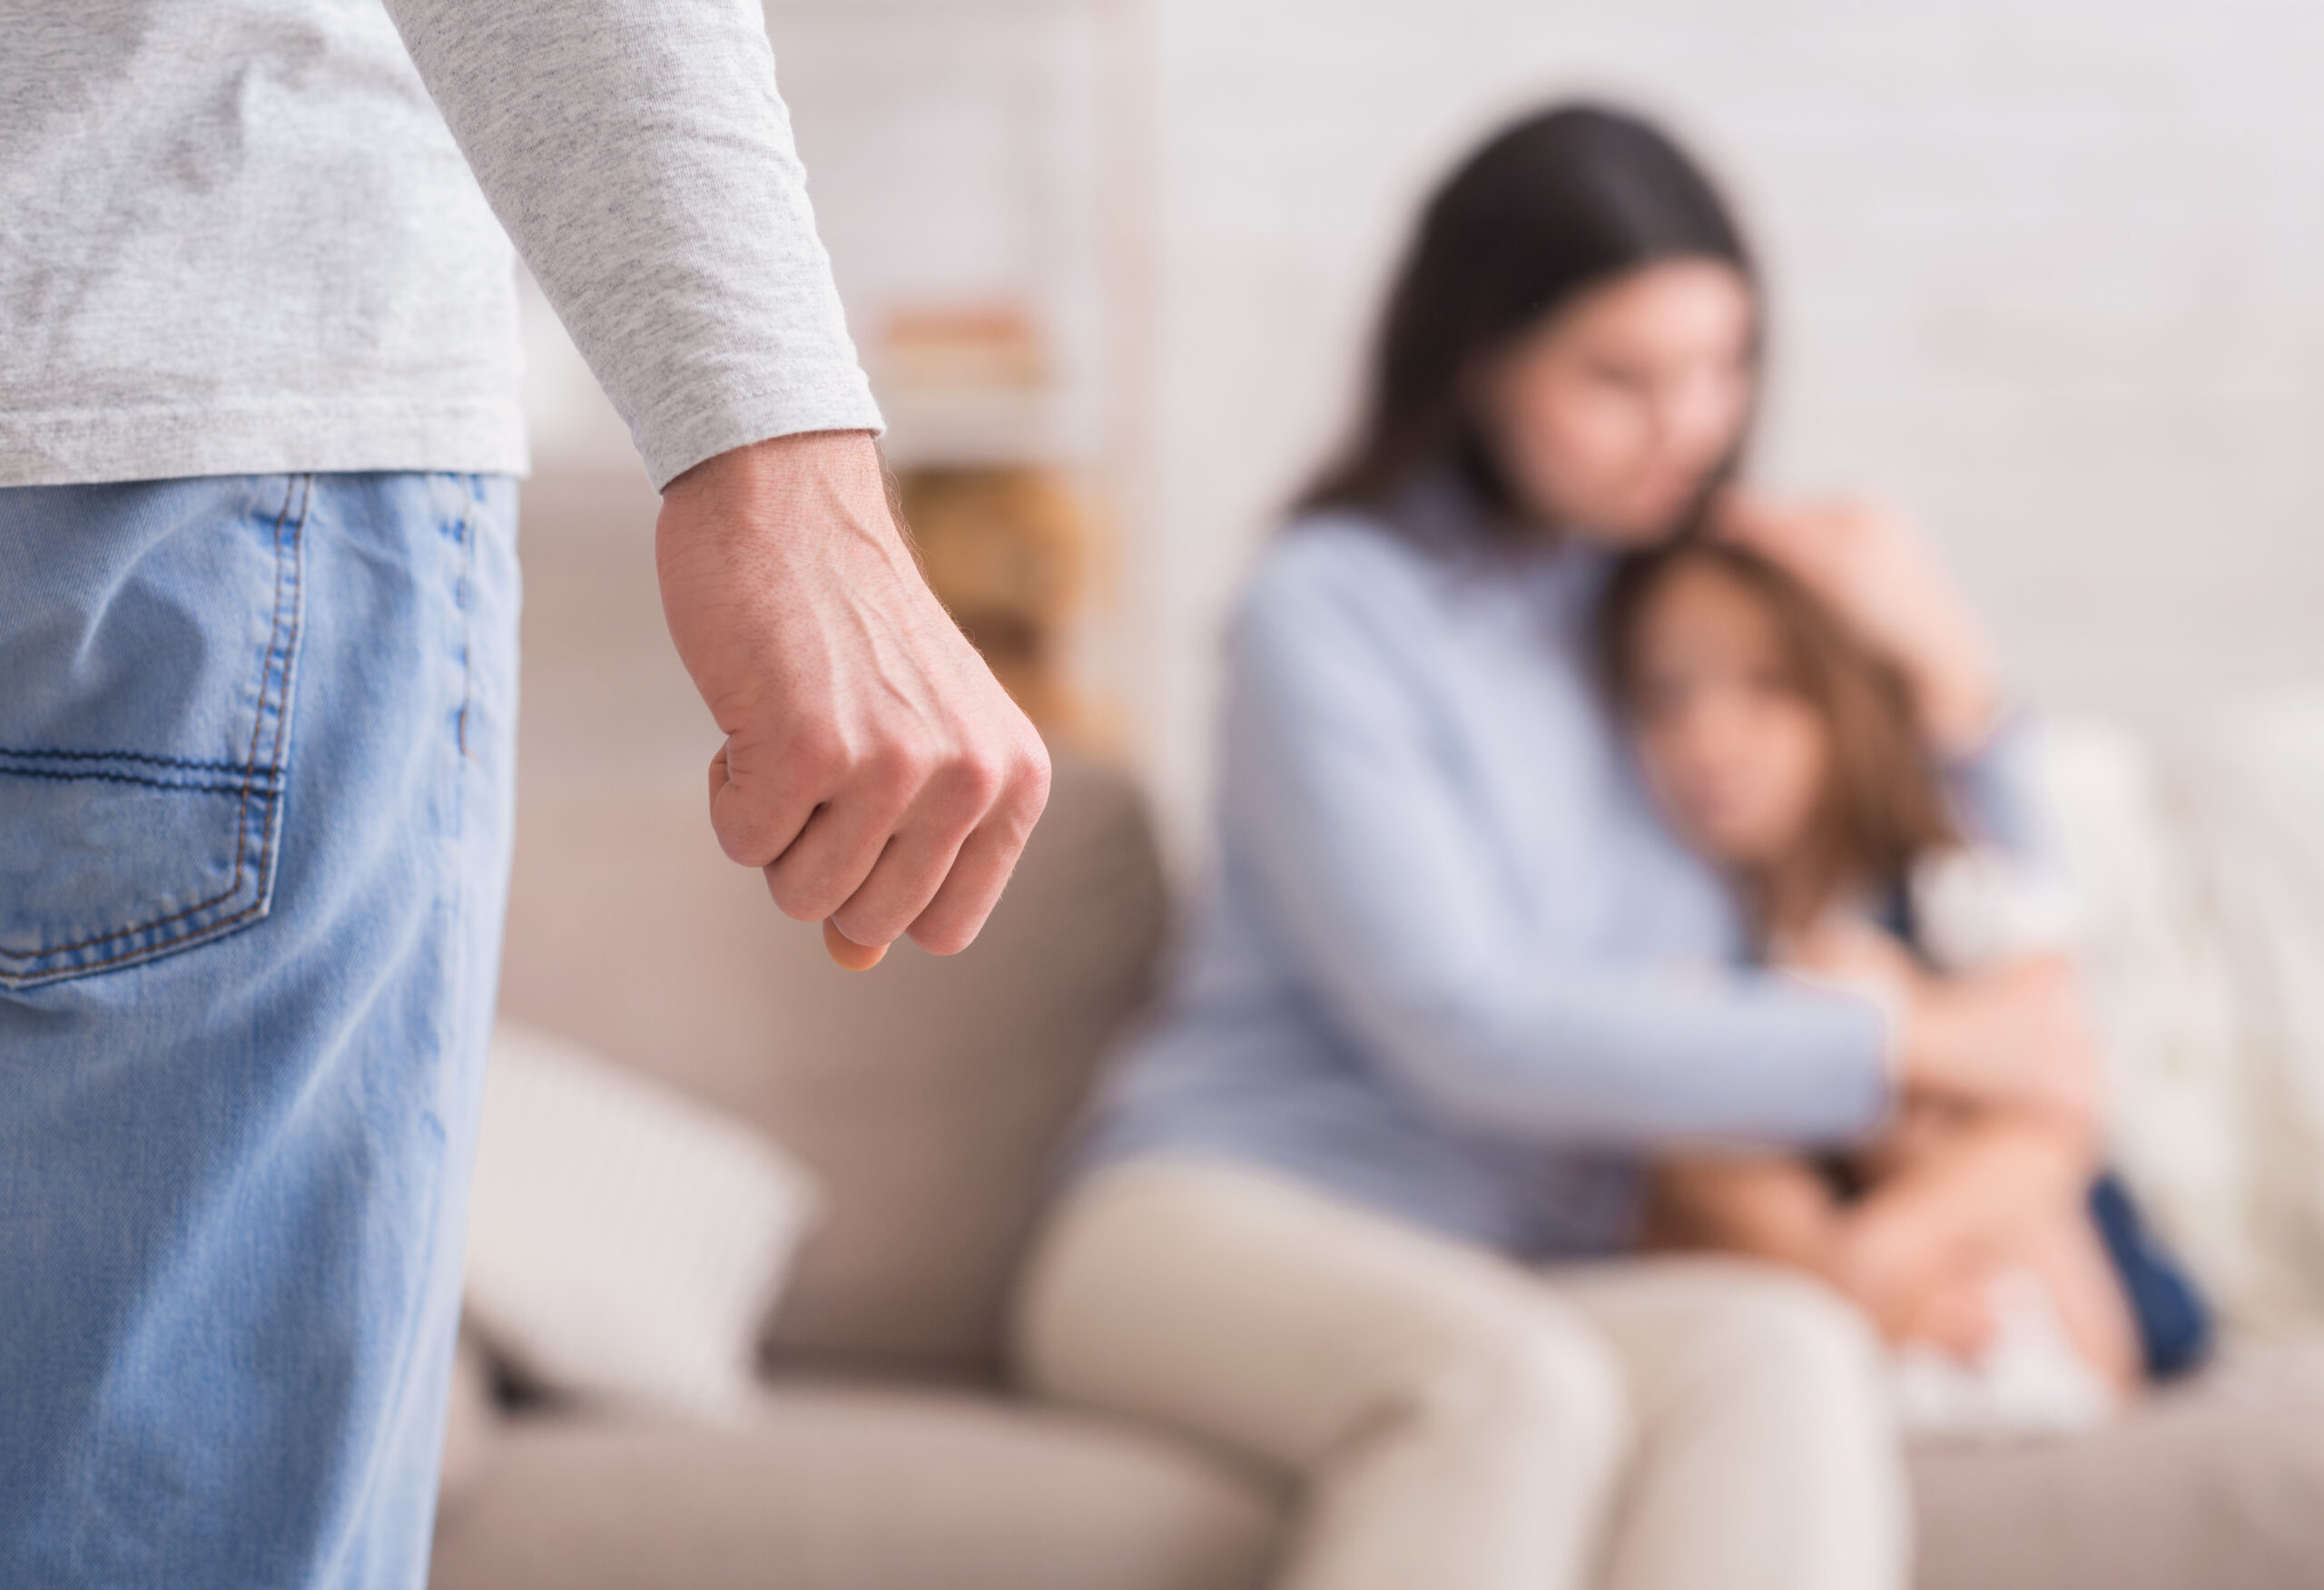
{"x":467,"y":534}
{"x":65,"y":777}
{"x":278,"y":644}
{"x":129,"y":756}
{"x":285,"y":649}
{"x":300,"y":492}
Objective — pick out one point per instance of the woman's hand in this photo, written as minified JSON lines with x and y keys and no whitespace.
{"x":1841,"y":948}
{"x":2013,"y":1037}
{"x":1866,"y":562}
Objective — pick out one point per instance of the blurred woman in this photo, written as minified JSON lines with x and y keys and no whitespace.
{"x":1351,"y":1208}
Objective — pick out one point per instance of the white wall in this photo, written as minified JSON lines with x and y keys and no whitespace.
{"x":958,"y":157}
{"x":2052,"y":271}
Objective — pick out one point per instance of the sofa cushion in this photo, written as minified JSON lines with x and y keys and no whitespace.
{"x":928,"y":1096}
{"x":2220,"y":1483}
{"x":836,"y":1489}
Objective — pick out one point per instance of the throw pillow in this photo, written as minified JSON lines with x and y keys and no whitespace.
{"x":624,"y":1243}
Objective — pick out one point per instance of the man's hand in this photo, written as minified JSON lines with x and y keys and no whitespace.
{"x":872,"y":767}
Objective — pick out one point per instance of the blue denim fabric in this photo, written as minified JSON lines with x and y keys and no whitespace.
{"x":255,"y":760}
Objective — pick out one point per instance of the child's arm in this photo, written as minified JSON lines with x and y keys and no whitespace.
{"x":1775,"y":1208}
{"x":1781,"y":1210}
{"x":1969,"y":1193}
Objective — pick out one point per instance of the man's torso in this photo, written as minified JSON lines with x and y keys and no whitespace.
{"x":240,"y":238}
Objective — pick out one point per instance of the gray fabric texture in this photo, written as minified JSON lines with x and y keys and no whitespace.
{"x":241,"y":237}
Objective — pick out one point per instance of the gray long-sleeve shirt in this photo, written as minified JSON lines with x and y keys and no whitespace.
{"x":240,"y":236}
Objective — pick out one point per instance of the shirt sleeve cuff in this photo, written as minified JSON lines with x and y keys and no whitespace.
{"x":1987,"y":783}
{"x":1888,"y":1008}
{"x":837,"y":399}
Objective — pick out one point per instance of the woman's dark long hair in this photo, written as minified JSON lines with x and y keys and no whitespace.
{"x":1565,"y":200}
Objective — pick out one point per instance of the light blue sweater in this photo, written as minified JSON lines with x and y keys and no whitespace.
{"x":1449,"y":964}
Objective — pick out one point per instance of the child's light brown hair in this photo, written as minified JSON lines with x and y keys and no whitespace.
{"x":1883,"y":803}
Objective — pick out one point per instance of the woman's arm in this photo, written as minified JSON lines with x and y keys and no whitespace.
{"x":1991,"y":782}
{"x":2011,"y":1036}
{"x":1343,"y":812}
{"x":1964,"y":1194}
{"x":1865,"y":560}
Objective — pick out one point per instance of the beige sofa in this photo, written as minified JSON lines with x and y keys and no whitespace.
{"x":930,"y":1097}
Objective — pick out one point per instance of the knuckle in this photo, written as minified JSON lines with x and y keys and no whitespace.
{"x":896,"y":772}
{"x":742,"y":833}
{"x":1033,"y":786}
{"x":799,"y":904}
{"x":978,"y":777}
{"x":947,"y":943}
{"x":863,"y":926}
{"x":949,"y":934}
{"x":741,"y":848}
{"x":1027,"y":797}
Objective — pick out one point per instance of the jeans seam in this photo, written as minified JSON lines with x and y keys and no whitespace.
{"x":466,"y":535}
{"x":280,"y":647}
{"x":465,"y":766}
{"x":73,"y":777}
{"x":43,"y":754}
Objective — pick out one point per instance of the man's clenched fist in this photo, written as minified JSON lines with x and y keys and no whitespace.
{"x":873,"y":768}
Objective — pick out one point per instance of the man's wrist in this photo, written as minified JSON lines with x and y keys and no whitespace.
{"x":798,"y":496}
{"x":778,"y":457}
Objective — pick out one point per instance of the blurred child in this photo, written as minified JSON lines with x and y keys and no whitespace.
{"x":2011,"y":1273}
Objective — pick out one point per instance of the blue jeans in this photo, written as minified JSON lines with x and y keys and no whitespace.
{"x":255,"y":757}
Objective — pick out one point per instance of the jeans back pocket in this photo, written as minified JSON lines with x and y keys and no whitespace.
{"x":148,"y":653}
